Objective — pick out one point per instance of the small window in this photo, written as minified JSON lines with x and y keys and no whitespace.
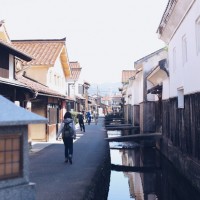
{"x":10,"y":156}
{"x":184,"y":49}
{"x":180,"y":98}
{"x":198,"y":35}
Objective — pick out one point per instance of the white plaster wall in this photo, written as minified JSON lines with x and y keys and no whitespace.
{"x":186,"y":76}
{"x":165,"y":91}
{"x":125,"y":88}
{"x":132,"y":91}
{"x":136,"y":91}
{"x":139,"y":89}
{"x":129,"y":92}
{"x":11,"y":66}
{"x":57,"y":70}
{"x":151,"y":63}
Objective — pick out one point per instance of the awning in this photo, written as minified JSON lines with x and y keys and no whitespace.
{"x":158,"y":74}
{"x":80,"y":97}
{"x":155,"y":90}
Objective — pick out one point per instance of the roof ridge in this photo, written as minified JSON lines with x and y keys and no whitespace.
{"x":41,"y":40}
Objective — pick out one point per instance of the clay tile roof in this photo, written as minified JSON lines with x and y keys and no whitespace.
{"x":38,"y":87}
{"x":126,"y":74}
{"x":44,"y":52}
{"x":14,"y":50}
{"x":166,"y":15}
{"x":75,"y":70}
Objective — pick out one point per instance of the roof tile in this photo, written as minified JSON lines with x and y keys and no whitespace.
{"x":75,"y":70}
{"x":44,"y":52}
{"x":38,"y":87}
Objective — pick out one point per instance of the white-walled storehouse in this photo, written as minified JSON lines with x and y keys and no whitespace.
{"x":180,"y":30}
{"x":144,"y":101}
{"x":127,"y":94}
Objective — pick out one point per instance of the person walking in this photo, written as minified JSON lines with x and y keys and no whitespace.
{"x":81,"y":121}
{"x":88,"y":115}
{"x":95,"y":117}
{"x":68,"y":131}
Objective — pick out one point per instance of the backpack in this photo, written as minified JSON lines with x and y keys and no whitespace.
{"x":80,"y":117}
{"x":67,"y":130}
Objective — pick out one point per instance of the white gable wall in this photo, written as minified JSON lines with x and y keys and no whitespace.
{"x":56,"y":77}
{"x":137,"y":89}
{"x":186,"y":75}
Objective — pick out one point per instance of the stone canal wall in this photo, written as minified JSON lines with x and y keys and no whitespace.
{"x":99,"y":187}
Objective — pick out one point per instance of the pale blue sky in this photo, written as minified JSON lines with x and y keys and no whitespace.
{"x":105,"y":36}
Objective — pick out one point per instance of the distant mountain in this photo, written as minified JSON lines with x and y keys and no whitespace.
{"x":104,"y":89}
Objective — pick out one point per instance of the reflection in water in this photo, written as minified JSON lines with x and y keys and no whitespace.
{"x":143,"y":174}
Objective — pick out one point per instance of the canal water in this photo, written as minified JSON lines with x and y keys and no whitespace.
{"x":142,"y":173}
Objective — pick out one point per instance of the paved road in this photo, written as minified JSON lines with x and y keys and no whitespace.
{"x":56,"y":180}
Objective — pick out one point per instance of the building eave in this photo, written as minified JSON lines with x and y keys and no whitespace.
{"x":172,"y":18}
{"x":15,"y":52}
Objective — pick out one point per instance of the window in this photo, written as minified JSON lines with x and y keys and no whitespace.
{"x":10,"y":156}
{"x":80,"y":89}
{"x":174,"y":58}
{"x":198,"y":35}
{"x":184,"y":49}
{"x":180,"y":98}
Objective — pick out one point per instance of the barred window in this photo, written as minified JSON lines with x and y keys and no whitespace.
{"x":10,"y":156}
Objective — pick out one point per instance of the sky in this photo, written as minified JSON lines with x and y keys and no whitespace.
{"x":104,"y":36}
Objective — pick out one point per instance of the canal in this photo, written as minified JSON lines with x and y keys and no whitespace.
{"x":142,"y":173}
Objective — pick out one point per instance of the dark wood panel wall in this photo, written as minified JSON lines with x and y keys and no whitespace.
{"x":136,"y":114}
{"x":182,"y":125}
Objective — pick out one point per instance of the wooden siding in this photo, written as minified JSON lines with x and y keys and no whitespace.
{"x":130,"y":114}
{"x":38,"y":131}
{"x":158,"y":116}
{"x":147,"y":117}
{"x":182,"y":126}
{"x":53,"y":116}
{"x":136,"y":115}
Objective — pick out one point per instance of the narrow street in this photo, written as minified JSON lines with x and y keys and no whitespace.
{"x":57,"y":180}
